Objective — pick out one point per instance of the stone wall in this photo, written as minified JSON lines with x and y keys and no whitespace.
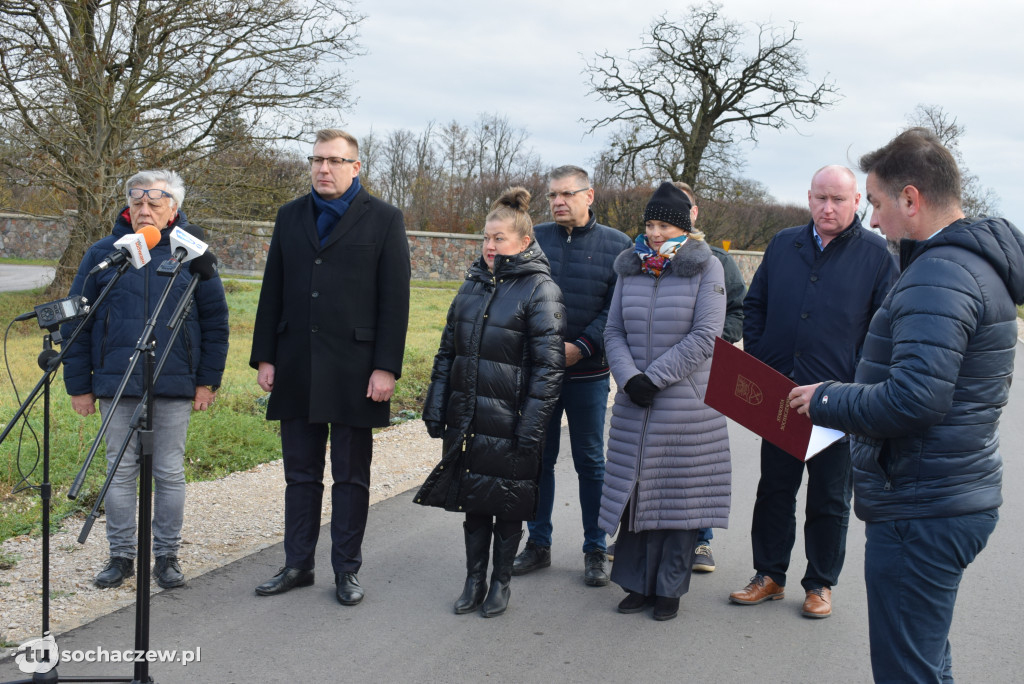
{"x":241,"y":246}
{"x":34,"y":237}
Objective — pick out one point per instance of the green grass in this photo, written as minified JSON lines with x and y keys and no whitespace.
{"x":15,"y":261}
{"x":231,"y":436}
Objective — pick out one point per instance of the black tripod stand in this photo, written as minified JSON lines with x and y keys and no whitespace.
{"x":49,"y":362}
{"x":142,"y":423}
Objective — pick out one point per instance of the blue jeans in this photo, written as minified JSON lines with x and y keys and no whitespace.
{"x":912,"y":570}
{"x":585,"y":405}
{"x":170,"y":427}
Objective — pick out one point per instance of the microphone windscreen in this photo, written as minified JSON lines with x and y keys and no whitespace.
{"x":204,"y":265}
{"x":151,"y":234}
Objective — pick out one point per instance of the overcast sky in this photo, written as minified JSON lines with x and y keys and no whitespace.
{"x":439,"y":61}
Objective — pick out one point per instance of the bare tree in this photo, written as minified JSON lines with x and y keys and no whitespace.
{"x":94,"y":89}
{"x":976,"y":199}
{"x":690,"y":93}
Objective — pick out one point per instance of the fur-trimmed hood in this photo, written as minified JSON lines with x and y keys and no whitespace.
{"x":691,"y":259}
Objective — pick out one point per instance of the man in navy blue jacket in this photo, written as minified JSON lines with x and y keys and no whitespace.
{"x":189,"y":379}
{"x":806,"y":315}
{"x":925,"y":406}
{"x":581,"y":252}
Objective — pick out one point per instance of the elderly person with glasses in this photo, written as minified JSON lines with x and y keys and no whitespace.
{"x":95,"y":364}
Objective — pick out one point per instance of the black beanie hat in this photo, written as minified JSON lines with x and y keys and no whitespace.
{"x":671,"y":205}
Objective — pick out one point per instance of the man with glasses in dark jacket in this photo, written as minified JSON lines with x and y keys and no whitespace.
{"x":581,"y":252}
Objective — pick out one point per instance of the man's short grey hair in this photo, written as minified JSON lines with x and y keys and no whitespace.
{"x":145,"y":179}
{"x":569,"y":171}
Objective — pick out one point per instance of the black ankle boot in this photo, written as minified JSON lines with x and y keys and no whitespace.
{"x":478,"y":544}
{"x":504,"y":554}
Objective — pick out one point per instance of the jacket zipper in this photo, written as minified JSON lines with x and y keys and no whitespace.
{"x":106,"y":336}
{"x":647,"y":413}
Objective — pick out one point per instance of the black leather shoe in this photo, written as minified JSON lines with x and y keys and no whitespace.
{"x":532,"y":557}
{"x":594,"y":574}
{"x":167,"y":572}
{"x":349,"y":592}
{"x":286,"y":579}
{"x":117,"y":569}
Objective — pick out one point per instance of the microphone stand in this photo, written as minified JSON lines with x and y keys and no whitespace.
{"x":49,"y":362}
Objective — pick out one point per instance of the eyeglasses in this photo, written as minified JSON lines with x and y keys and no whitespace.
{"x":333,"y":162}
{"x":565,"y":194}
{"x":156,"y":197}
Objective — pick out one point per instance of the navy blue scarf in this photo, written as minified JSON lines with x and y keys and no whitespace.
{"x":331,"y":211}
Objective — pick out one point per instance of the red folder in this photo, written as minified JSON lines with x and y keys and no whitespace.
{"x":755,"y":395}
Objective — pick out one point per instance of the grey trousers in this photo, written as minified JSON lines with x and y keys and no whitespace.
{"x":170,"y":426}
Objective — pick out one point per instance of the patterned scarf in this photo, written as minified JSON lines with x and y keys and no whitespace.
{"x":331,"y":211}
{"x":654,"y":262}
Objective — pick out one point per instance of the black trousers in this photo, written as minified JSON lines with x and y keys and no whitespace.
{"x":304,"y":446}
{"x":773,"y":531}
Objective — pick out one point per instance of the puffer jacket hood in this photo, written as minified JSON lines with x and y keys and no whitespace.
{"x":691,"y":259}
{"x":995,"y":240}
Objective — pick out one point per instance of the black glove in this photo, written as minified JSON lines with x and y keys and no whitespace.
{"x":434,"y":428}
{"x":641,"y":390}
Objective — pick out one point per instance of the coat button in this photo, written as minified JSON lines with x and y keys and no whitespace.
{"x":315,"y":294}
{"x":804,"y":315}
{"x":814,"y":278}
{"x":318,"y":261}
{"x":315,"y":328}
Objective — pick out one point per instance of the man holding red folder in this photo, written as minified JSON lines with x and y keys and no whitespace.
{"x":806,"y":315}
{"x":924,"y":409}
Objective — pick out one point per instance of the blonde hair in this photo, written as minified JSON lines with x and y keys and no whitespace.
{"x":514,"y":205}
{"x":329,"y":134}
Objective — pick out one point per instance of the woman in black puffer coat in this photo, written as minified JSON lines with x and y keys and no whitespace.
{"x":496,"y":378}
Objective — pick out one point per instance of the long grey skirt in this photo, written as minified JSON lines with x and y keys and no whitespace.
{"x":654,"y":563}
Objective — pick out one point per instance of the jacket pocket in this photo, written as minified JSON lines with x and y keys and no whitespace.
{"x":365,"y":334}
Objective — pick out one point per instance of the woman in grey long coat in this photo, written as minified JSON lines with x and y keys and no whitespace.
{"x":668,"y":472}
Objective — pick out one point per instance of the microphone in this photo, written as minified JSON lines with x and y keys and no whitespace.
{"x":184,"y":247}
{"x":134,"y":248}
{"x":203,"y":267}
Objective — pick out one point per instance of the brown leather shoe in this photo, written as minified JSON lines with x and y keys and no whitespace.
{"x":818,"y":603}
{"x":761,"y":588}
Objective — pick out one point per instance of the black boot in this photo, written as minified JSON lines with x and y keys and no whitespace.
{"x":504,"y":554}
{"x":478,"y":544}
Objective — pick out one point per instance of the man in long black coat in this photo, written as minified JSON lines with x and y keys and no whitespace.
{"x":328,"y":344}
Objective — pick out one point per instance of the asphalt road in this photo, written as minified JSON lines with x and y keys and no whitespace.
{"x":24,"y":277}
